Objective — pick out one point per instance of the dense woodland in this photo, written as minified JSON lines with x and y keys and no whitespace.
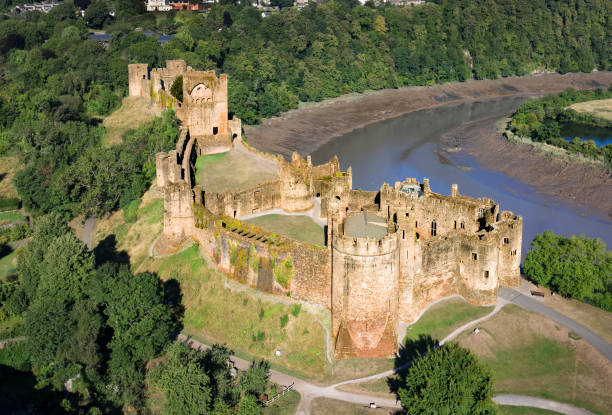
{"x":541,"y":121}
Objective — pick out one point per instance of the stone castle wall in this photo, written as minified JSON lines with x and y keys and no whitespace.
{"x":436,"y":245}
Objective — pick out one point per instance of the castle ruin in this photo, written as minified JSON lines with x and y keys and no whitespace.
{"x":388,"y":253}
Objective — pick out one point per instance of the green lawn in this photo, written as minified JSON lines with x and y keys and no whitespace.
{"x":444,"y":317}
{"x":302,"y":228}
{"x":530,"y":354}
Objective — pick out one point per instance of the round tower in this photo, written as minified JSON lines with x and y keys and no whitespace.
{"x":365,"y":276}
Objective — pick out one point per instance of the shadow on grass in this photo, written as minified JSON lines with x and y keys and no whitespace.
{"x":106,"y":251}
{"x":407,"y":353}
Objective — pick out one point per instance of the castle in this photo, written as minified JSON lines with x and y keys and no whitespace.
{"x":388,"y":253}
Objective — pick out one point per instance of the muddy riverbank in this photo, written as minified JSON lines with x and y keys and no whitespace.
{"x":308,"y":128}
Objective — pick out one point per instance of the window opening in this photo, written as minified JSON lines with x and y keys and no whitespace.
{"x":434,"y":228}
{"x":474,"y":256}
{"x":486,"y":274}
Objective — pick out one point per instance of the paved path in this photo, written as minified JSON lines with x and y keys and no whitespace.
{"x":88,"y":230}
{"x":519,"y":400}
{"x":521,"y":300}
{"x":500,"y":303}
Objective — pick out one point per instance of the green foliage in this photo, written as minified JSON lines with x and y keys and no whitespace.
{"x":447,"y":380}
{"x":9,"y":203}
{"x":177,"y":88}
{"x":577,"y":267}
{"x":540,"y":120}
{"x":283,"y":272}
{"x":295,"y":309}
{"x":130,"y":211}
{"x":284,"y":319}
{"x":97,"y":14}
{"x":182,"y":378}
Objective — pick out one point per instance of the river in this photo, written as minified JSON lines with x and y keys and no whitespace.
{"x":408,"y":146}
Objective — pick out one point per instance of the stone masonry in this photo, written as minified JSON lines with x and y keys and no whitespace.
{"x":388,"y":253}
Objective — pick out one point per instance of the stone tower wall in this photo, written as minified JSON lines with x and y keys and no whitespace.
{"x":365,"y":275}
{"x":138,"y":77}
{"x":510,"y":228}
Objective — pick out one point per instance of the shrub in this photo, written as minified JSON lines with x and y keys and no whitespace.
{"x":130,"y":211}
{"x":284,"y":320}
{"x":295,"y":309}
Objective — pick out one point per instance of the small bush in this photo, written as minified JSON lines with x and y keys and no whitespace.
{"x":284,"y":320}
{"x":295,"y":309}
{"x":130,"y":211}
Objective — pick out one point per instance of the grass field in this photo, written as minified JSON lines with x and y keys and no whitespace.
{"x":285,"y":405}
{"x":232,"y":171}
{"x":530,"y":354}
{"x":302,"y":228}
{"x":601,"y":108}
{"x":8,"y":167}
{"x":598,"y":320}
{"x":133,"y":112}
{"x":444,"y":317}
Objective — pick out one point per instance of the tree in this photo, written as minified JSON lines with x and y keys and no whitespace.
{"x":97,"y":14}
{"x":447,"y":380}
{"x":141,"y":322}
{"x":577,"y":267}
{"x":177,"y":88}
{"x":183,"y":380}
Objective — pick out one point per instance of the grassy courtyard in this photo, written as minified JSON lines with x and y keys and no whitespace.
{"x":232,"y":171}
{"x":302,"y":228}
{"x":444,"y":317}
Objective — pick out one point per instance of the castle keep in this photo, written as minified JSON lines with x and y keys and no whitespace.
{"x":388,"y":253}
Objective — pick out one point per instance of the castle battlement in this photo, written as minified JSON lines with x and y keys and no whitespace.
{"x":388,"y":253}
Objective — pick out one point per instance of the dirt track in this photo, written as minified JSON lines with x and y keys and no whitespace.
{"x":305,"y":129}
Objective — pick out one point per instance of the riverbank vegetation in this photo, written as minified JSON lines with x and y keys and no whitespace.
{"x":577,"y":267}
{"x":541,"y":121}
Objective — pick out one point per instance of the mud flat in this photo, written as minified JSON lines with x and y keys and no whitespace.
{"x":586,"y":185}
{"x":308,"y":128}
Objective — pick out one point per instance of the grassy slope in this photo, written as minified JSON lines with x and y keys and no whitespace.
{"x":8,"y":167}
{"x":601,"y":108}
{"x":532,"y":355}
{"x":133,"y":112}
{"x":302,"y":228}
{"x":8,"y":264}
{"x":442,"y":318}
